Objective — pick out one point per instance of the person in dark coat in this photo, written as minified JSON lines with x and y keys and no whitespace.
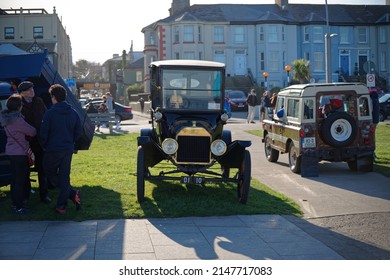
{"x":33,"y":110}
{"x":375,"y":106}
{"x":60,"y":130}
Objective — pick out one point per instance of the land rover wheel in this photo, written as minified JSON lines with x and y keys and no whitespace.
{"x":294,"y":159}
{"x":381,"y":116}
{"x":140,"y":174}
{"x":271,"y":154}
{"x":339,"y":129}
{"x":244,"y":178}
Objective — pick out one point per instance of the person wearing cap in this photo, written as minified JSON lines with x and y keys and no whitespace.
{"x":33,"y":110}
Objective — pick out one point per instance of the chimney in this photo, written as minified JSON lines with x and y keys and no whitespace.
{"x":281,"y":3}
{"x":178,"y":5}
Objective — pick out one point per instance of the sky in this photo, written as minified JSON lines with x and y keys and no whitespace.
{"x":99,"y":29}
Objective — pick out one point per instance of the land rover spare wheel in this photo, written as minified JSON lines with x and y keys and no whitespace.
{"x":339,"y":129}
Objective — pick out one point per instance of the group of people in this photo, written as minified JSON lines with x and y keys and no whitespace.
{"x":51,"y":134}
{"x":267,"y":105}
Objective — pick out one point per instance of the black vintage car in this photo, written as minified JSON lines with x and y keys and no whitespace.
{"x":187,"y":119}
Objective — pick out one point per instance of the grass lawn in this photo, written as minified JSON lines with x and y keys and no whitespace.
{"x":106,"y":176}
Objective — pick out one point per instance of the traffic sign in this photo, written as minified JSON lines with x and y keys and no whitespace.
{"x":370,"y":80}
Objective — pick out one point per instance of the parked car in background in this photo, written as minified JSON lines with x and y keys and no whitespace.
{"x":237,"y":100}
{"x":384,"y":107}
{"x":122,"y":112}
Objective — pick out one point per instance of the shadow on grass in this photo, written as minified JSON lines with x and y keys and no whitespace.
{"x":97,"y":203}
{"x":176,"y":200}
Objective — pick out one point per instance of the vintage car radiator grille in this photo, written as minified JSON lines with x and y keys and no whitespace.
{"x":193,"y":149}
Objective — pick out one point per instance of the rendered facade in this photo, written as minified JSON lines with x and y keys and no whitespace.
{"x":34,"y":30}
{"x":253,"y":39}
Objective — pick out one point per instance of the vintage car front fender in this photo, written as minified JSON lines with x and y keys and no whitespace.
{"x":234,"y":154}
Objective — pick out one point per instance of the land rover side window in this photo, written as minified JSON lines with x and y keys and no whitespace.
{"x":192,"y":89}
{"x":293,"y":108}
{"x":279,"y":105}
{"x":308,"y":109}
{"x":364,"y":108}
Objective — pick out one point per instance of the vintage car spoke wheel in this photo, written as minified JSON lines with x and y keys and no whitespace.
{"x":244,"y":178}
{"x":271,"y":154}
{"x":294,"y":159}
{"x":140,"y":174}
{"x":227,"y":138}
{"x":117,"y":119}
{"x":339,"y":129}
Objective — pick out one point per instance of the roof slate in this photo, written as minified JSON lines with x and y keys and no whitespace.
{"x":291,"y":14}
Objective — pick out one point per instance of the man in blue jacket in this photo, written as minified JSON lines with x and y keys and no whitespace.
{"x":60,"y":129}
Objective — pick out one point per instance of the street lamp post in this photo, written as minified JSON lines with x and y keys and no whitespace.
{"x":265,"y":75}
{"x":328,"y":57}
{"x":288,"y":69}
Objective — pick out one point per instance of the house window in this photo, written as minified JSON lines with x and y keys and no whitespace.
{"x":261,"y":35}
{"x":382,"y":35}
{"x":274,"y":61}
{"x":306,"y":36}
{"x":239,"y":34}
{"x":283,"y":34}
{"x":362,"y":35}
{"x":188,"y":34}
{"x":138,"y":76}
{"x":177,"y":55}
{"x":262,"y":61}
{"x":273,"y":34}
{"x":318,"y":61}
{"x":199,"y":34}
{"x":200,"y":56}
{"x":151,"y":36}
{"x":318,"y":36}
{"x":306,"y":56}
{"x":383,"y":61}
{"x":38,"y":32}
{"x":176,"y":38}
{"x":344,"y":35}
{"x":9,"y":33}
{"x":189,"y":55}
{"x":218,"y":34}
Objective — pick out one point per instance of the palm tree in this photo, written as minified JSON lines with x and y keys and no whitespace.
{"x":301,"y":70}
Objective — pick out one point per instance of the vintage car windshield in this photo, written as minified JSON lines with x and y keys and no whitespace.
{"x":191,"y":90}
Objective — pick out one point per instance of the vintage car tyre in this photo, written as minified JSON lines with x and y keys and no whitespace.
{"x":227,"y":138}
{"x":339,"y":129}
{"x":294,"y":160}
{"x":140,"y":175}
{"x":271,"y":154}
{"x":117,"y":119}
{"x":244,"y":178}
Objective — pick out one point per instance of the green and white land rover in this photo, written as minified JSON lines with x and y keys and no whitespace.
{"x":316,"y":122}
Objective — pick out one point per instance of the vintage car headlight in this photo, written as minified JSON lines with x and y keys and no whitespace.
{"x":224,"y":117}
{"x":218,"y":147}
{"x":170,"y":146}
{"x":158,"y":115}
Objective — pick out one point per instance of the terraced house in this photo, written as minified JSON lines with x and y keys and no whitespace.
{"x":257,"y":39}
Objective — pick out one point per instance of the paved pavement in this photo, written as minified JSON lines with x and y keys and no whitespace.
{"x":257,"y":237}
